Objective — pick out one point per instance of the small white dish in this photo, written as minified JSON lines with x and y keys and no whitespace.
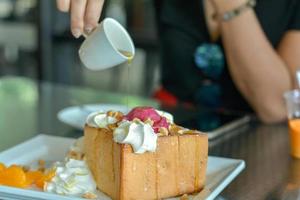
{"x":103,"y":48}
{"x":75,"y":116}
{"x":220,"y":171}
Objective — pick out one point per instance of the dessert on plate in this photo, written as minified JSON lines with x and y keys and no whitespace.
{"x":144,"y":155}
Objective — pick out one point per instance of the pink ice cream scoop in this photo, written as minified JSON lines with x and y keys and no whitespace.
{"x":144,"y":113}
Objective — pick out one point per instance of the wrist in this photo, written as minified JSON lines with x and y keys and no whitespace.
{"x":222,"y":6}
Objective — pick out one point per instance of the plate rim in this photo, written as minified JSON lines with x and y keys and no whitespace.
{"x":67,"y":109}
{"x":223,"y":183}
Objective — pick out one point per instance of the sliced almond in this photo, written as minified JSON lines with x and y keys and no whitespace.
{"x":163,"y":131}
{"x":89,"y":195}
{"x":175,"y":129}
{"x":112,"y":126}
{"x":149,"y":121}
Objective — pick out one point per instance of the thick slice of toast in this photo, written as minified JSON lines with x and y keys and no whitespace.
{"x":177,"y":167}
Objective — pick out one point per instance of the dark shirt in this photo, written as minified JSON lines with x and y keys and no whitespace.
{"x":182,"y":28}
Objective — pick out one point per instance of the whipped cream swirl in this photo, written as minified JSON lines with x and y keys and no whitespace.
{"x":72,"y":177}
{"x":139,"y":135}
{"x":100,"y":120}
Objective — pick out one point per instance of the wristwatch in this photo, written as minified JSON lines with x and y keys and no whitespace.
{"x":227,"y":16}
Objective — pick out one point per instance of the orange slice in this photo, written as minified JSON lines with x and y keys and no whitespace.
{"x":2,"y":167}
{"x":13,"y":176}
{"x":40,"y":183}
{"x":33,"y":176}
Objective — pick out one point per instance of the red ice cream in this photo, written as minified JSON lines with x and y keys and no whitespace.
{"x":144,"y":113}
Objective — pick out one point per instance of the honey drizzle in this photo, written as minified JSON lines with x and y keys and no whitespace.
{"x":96,"y":154}
{"x":196,"y":165}
{"x":112,"y":157}
{"x":129,"y":56}
{"x":156,"y":176}
{"x":177,"y":165}
{"x":128,"y":85}
{"x":120,"y":188}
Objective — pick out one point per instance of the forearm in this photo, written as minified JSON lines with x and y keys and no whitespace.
{"x":257,"y":70}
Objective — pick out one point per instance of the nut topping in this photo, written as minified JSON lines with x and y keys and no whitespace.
{"x":163,"y":131}
{"x":89,"y":195}
{"x":149,"y":121}
{"x":115,"y":114}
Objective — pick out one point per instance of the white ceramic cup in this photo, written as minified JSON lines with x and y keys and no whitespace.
{"x":100,"y":49}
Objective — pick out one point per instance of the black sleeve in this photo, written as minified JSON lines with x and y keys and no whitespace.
{"x":295,"y":19}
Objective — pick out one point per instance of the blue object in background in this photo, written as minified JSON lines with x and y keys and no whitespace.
{"x":210,"y":59}
{"x":207,"y":121}
{"x":209,"y":95}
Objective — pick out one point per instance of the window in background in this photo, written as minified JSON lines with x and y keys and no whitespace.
{"x":18,"y":37}
{"x":35,"y":41}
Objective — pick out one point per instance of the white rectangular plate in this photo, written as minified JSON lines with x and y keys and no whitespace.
{"x":220,"y":171}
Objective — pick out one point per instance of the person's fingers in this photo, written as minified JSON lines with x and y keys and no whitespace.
{"x":63,"y":5}
{"x":92,"y":14}
{"x":77,"y":17}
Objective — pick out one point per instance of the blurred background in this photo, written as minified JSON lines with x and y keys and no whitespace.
{"x":35,"y":42}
